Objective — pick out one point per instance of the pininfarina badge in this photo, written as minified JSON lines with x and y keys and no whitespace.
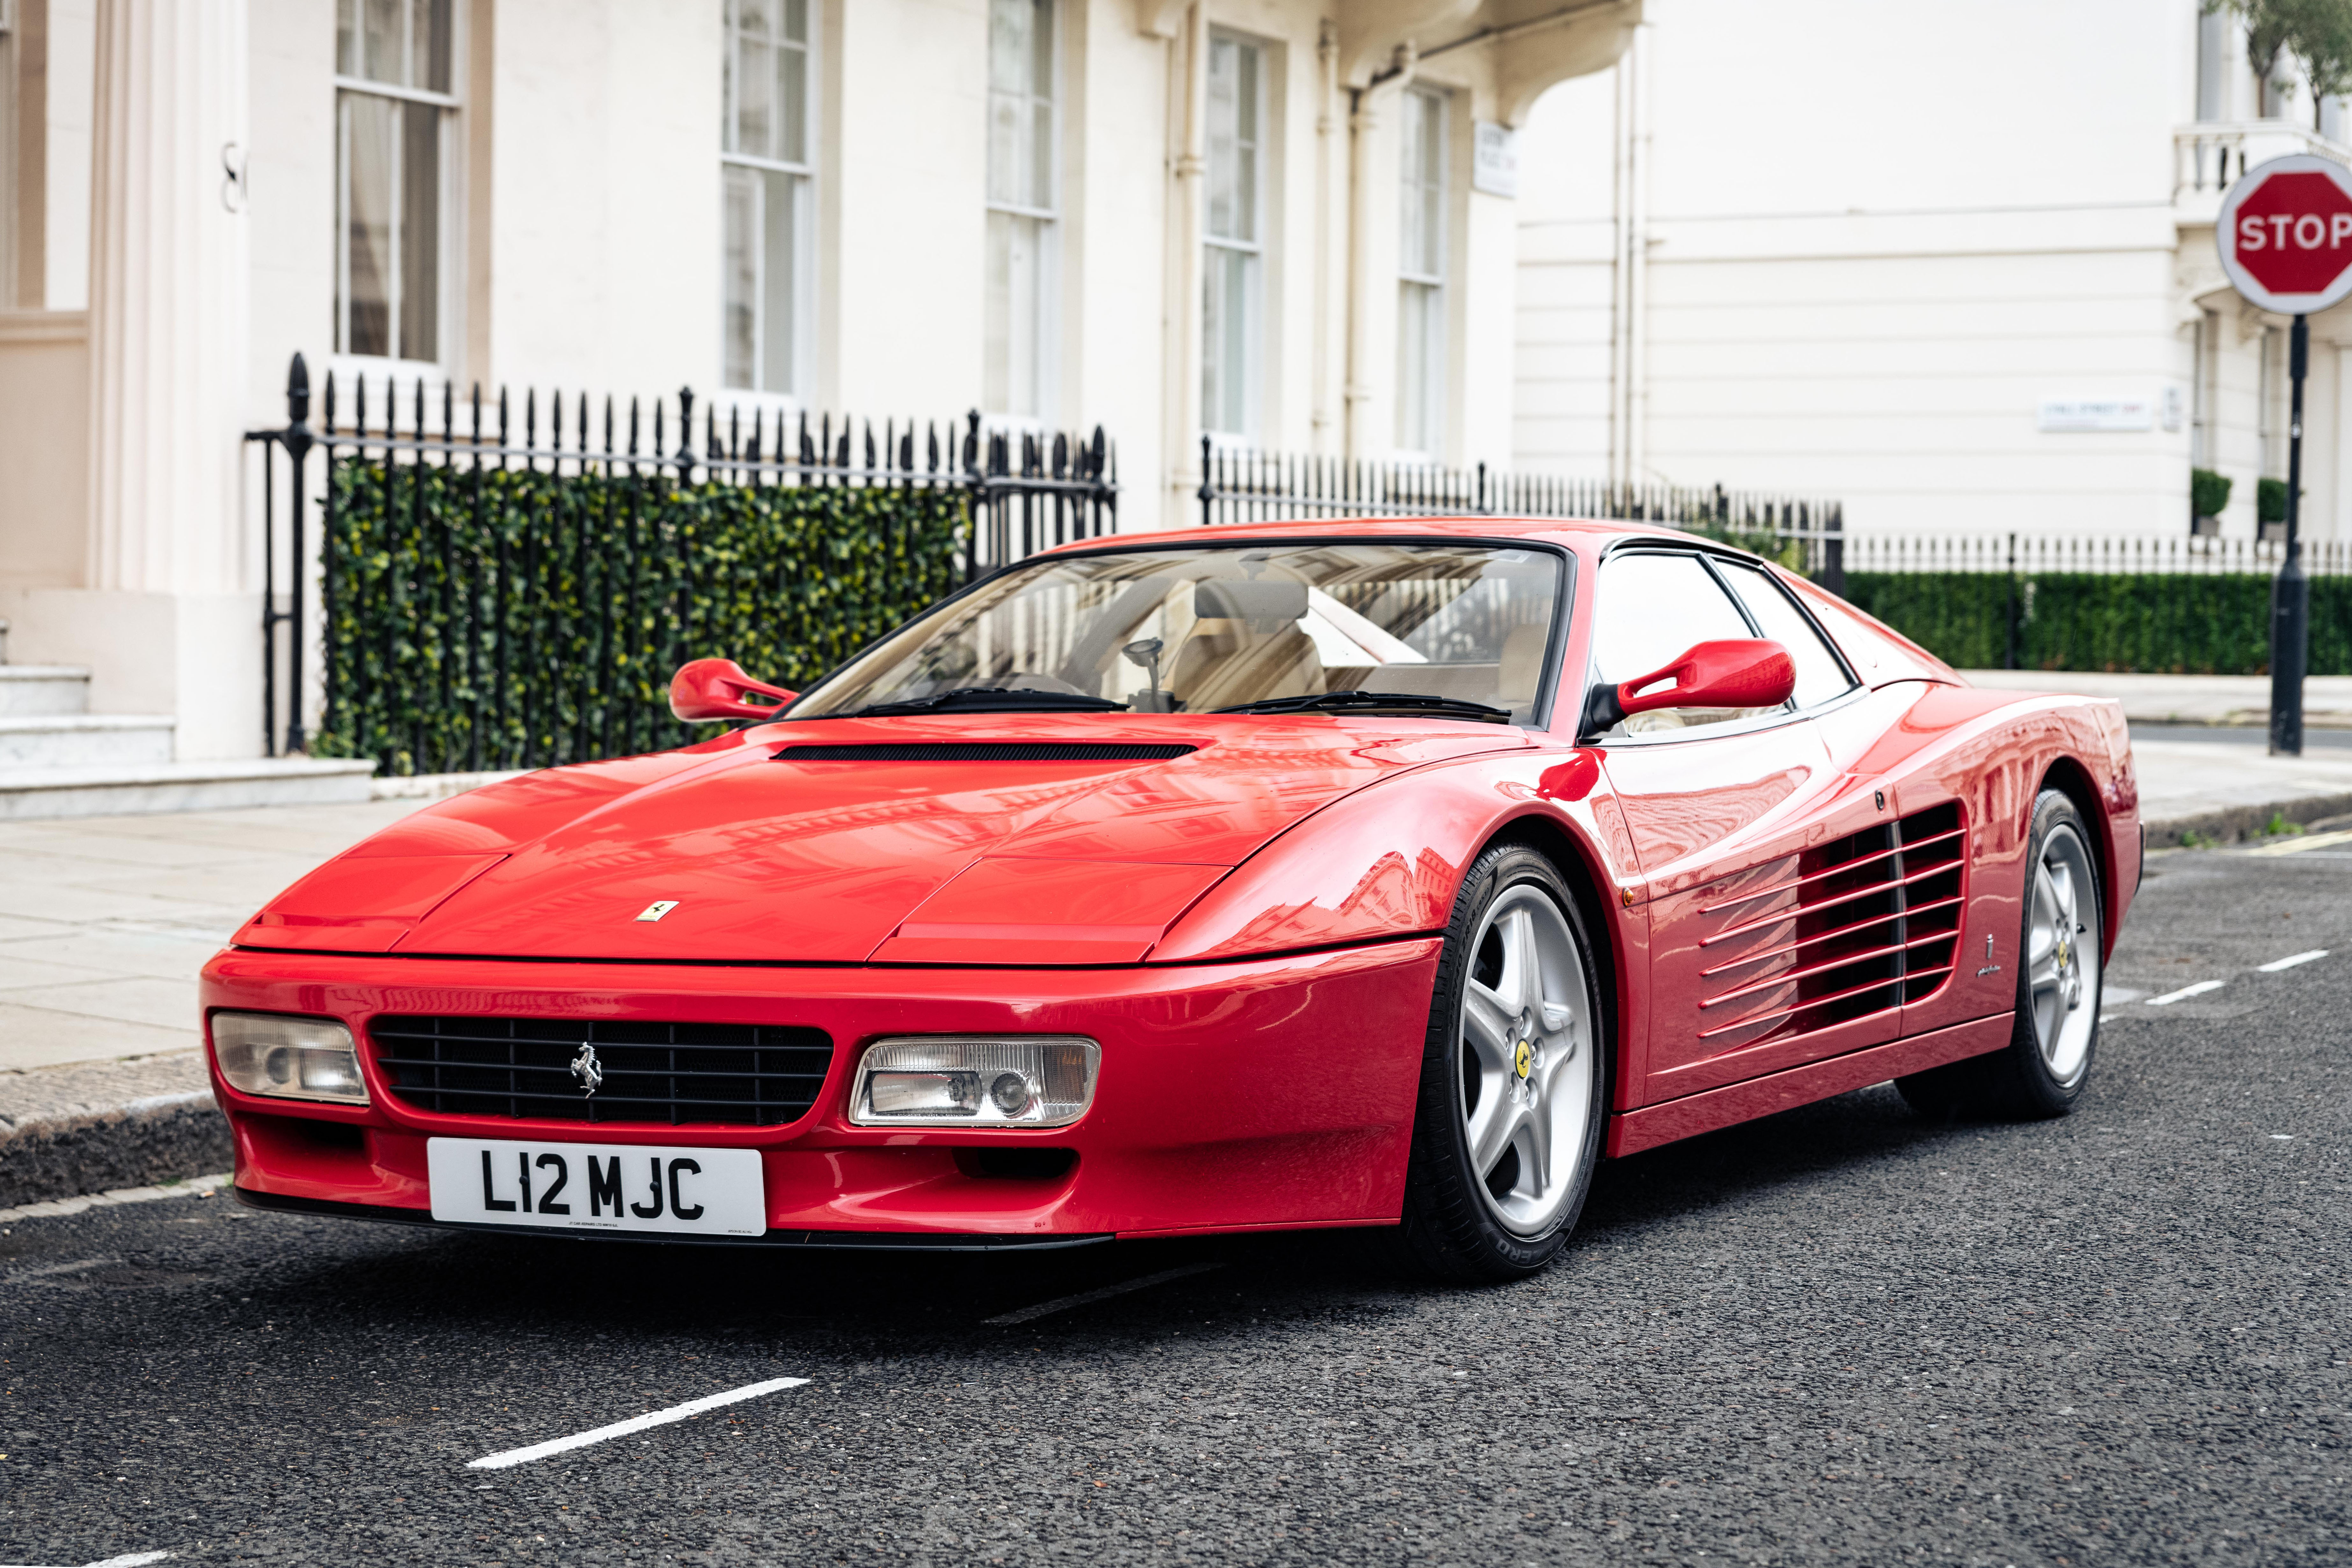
{"x":657,"y":909}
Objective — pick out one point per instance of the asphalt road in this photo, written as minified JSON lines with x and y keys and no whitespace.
{"x":1839,"y":1336}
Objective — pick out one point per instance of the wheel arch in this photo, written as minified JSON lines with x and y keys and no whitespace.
{"x":2068,"y":775}
{"x":1579,"y":867}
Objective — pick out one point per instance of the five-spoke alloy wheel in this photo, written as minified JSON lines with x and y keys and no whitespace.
{"x":1515,"y":1078}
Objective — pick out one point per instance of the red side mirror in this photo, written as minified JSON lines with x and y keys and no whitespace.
{"x":1737,"y":672}
{"x":717,"y":688}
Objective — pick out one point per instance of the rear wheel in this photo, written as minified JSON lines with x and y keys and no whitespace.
{"x":1514,"y":1077}
{"x":2041,"y":1072}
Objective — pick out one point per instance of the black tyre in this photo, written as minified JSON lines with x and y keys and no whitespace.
{"x":2041,"y":1072}
{"x":1514,"y":1080}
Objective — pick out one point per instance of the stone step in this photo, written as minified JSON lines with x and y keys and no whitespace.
{"x":26,"y":690}
{"x":85,"y":740}
{"x":140,"y":788}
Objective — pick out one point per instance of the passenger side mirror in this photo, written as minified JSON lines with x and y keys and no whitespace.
{"x":705,"y":689}
{"x":1735,"y":672}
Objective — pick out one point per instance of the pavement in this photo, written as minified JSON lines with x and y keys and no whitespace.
{"x":105,"y":921}
{"x":1841,"y":1336}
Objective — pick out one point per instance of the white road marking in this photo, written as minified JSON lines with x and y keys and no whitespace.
{"x":634,"y":1423}
{"x":128,"y":1560}
{"x":2297,"y":846}
{"x":1064,"y":1303}
{"x":2186,"y":992}
{"x":2289,"y":962}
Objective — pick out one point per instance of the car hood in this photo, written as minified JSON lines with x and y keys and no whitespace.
{"x":1040,"y":839}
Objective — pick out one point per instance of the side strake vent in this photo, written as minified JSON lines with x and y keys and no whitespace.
{"x":988,"y":752}
{"x":1845,"y":929}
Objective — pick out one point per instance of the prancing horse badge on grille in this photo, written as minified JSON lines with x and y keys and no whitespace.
{"x":657,"y":909}
{"x":587,"y":1068}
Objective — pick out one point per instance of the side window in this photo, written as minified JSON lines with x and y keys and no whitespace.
{"x":1820,"y":676}
{"x":1648,"y":610}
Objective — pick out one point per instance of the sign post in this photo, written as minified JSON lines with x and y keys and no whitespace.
{"x":2285,"y":232}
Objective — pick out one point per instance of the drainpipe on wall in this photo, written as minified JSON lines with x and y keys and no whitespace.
{"x":1326,"y":58}
{"x":1363,"y":120}
{"x":1188,"y":163}
{"x":1629,"y":294}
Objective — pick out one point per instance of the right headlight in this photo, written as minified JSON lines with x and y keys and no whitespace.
{"x":288,"y":1057}
{"x":975,"y":1080}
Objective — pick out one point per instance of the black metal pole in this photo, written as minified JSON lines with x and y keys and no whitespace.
{"x":2290,"y":592}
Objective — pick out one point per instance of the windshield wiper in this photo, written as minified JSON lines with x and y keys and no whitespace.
{"x":988,"y":699}
{"x":1373,"y":702}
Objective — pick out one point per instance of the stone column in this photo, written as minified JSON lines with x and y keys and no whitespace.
{"x":167,"y":298}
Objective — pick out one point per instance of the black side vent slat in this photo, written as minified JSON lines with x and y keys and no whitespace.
{"x":655,"y":1074}
{"x":988,"y":752}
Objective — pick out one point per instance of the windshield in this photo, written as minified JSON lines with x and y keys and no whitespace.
{"x":1193,"y":630}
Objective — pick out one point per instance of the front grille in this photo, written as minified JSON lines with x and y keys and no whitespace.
{"x":987,"y":751}
{"x":743,"y":1075}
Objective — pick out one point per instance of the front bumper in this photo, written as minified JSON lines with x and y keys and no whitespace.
{"x":1273,"y":1093}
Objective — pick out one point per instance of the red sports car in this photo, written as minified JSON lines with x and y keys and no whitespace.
{"x":1287,"y":875}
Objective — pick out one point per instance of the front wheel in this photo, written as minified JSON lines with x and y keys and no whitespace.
{"x":1514,"y":1077}
{"x":2041,"y":1072}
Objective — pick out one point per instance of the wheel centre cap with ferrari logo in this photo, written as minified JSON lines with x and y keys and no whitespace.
{"x":1523,"y":1055}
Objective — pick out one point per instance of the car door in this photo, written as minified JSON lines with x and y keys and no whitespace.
{"x":1766,"y":880}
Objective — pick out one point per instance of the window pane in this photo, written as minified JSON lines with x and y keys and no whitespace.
{"x":1229,"y":334}
{"x":1819,"y":674}
{"x":1647,"y":612}
{"x":755,"y":86}
{"x":741,"y":320}
{"x":791,"y":134}
{"x":1421,"y":362}
{"x":779,"y":268}
{"x":432,"y":59}
{"x":365,"y":233}
{"x":420,"y":234}
{"x":381,"y":41}
{"x":347,"y":37}
{"x":1014,"y":284}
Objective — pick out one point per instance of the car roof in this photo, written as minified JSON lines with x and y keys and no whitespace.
{"x":1588,"y":534}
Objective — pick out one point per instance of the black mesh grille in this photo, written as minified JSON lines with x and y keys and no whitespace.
{"x":988,"y":752}
{"x":745,"y":1075}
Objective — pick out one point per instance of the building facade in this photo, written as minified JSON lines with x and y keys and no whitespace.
{"x":1954,"y":265}
{"x":1270,"y":222}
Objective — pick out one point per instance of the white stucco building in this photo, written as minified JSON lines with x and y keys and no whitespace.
{"x":1261,"y":219}
{"x":1951,"y":263}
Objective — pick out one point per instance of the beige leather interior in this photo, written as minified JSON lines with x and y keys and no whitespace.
{"x":1225,"y":661}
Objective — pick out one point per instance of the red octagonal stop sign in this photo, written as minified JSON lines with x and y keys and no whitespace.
{"x":2285,"y":235}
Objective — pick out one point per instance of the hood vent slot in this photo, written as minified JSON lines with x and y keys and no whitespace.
{"x":1850,"y":928}
{"x":988,"y":752}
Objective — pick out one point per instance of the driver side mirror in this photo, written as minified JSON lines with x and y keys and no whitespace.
{"x":705,"y":689}
{"x":1734,"y":672}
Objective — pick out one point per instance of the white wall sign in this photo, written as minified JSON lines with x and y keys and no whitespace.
{"x":1495,"y":159}
{"x":2060,"y":414}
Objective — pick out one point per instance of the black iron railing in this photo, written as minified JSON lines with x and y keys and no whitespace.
{"x":1245,"y":486}
{"x":473,"y":589}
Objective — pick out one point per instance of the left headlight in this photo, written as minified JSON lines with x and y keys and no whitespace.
{"x":288,"y":1057}
{"x":975,"y":1080}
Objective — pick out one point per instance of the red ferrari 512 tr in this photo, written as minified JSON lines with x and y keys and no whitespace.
{"x":1377,"y":874}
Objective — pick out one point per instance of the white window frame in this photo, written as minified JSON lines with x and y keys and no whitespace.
{"x":1220,"y":249}
{"x":803,"y":177}
{"x":1046,"y":346}
{"x":449,"y":330}
{"x":1428,"y":419}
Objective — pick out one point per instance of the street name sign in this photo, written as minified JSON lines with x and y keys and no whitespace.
{"x":2285,"y":232}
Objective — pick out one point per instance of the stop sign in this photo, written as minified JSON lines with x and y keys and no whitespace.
{"x":2285,"y":235}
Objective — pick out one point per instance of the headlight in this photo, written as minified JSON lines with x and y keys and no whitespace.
{"x":975,"y":1080}
{"x":289,"y":1058}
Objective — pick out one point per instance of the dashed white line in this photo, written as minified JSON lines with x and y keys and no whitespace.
{"x":1064,"y":1303}
{"x":2185,"y":993}
{"x":128,"y":1560}
{"x":2290,"y":962}
{"x":634,"y":1423}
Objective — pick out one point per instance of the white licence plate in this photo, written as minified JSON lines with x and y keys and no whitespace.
{"x":598,"y":1186}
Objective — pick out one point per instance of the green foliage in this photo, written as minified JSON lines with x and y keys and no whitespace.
{"x":2278,"y":827}
{"x":2209,"y":492}
{"x":2270,"y":500}
{"x":2317,"y":33}
{"x":511,"y":618}
{"x":2179,"y":625}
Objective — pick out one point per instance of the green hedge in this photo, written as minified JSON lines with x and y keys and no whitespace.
{"x":2217,"y":624}
{"x":514,"y":618}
